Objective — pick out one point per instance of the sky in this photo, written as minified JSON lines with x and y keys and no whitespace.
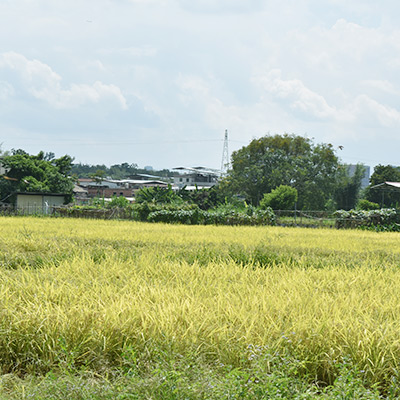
{"x":157,"y":82}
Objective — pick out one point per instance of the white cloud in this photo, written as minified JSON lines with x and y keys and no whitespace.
{"x":368,"y":109}
{"x":334,"y":69}
{"x":359,"y":110}
{"x":299,"y":96}
{"x":222,"y":6}
{"x":133,"y":51}
{"x":44,"y":84}
{"x":6,"y":91}
{"x":381,"y":85}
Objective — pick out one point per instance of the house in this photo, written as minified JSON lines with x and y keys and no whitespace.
{"x":38,"y":203}
{"x":148,"y":177}
{"x":81,"y":194}
{"x":195,"y":177}
{"x":106,"y":188}
{"x":3,"y":171}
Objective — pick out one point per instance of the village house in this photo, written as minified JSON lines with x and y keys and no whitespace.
{"x":191,"y":178}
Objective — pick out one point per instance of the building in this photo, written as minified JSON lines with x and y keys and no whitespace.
{"x":108,"y":188}
{"x":81,"y":194}
{"x":38,"y":203}
{"x":3,"y":171}
{"x":195,"y":177}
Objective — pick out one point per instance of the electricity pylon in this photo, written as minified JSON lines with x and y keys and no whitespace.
{"x":225,"y":155}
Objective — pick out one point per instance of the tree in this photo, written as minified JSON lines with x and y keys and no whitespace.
{"x":289,"y":160}
{"x":386,"y":198}
{"x":204,"y":198}
{"x":33,"y":173}
{"x":282,"y":198}
{"x":157,"y":194}
{"x":98,"y":176}
{"x":348,"y":187}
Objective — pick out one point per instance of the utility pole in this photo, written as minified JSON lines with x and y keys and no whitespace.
{"x":225,"y":155}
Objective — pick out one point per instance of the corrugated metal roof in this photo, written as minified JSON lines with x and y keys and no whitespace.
{"x":384,"y":185}
{"x":199,"y":170}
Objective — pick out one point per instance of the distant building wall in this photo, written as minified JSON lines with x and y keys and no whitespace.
{"x":38,"y":203}
{"x":2,"y":169}
{"x":108,"y":192}
{"x":181,"y":180}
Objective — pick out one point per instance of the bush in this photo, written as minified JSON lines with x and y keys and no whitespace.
{"x":118,"y":202}
{"x":367,"y":205}
{"x":282,"y":198}
{"x":184,"y":213}
{"x":222,"y":216}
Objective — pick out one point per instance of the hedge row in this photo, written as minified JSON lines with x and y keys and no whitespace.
{"x":170,"y":213}
{"x":228,"y":217}
{"x":385,"y":219}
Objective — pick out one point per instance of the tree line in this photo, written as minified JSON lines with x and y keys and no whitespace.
{"x":278,"y":171}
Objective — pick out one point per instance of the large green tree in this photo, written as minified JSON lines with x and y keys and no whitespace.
{"x":292,"y":160}
{"x":384,"y":197}
{"x":35,"y":173}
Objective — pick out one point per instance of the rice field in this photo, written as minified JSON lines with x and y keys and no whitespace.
{"x":101,"y":296}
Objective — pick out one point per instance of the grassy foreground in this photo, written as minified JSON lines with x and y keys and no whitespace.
{"x":118,"y":309}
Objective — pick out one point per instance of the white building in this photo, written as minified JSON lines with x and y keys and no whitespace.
{"x":195,"y":177}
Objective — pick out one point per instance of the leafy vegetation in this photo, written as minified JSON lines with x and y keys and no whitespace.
{"x":35,"y":173}
{"x":366,"y":205}
{"x":386,"y":198}
{"x":172,"y":212}
{"x":289,"y":160}
{"x":116,"y":171}
{"x":381,"y":219}
{"x":282,"y":198}
{"x":348,"y":187}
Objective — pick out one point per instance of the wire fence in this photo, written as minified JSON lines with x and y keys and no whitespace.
{"x":287,"y":218}
{"x":11,"y":209}
{"x":305,"y":218}
{"x":283,"y":217}
{"x":63,"y":211}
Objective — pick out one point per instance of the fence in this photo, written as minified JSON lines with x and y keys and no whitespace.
{"x":103,"y":213}
{"x":11,"y":209}
{"x":312,"y":219}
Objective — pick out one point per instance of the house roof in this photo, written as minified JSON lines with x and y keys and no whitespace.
{"x":199,"y":170}
{"x":41,"y":194}
{"x":192,"y":188}
{"x":387,"y":185}
{"x":139,"y":182}
{"x":79,"y":189}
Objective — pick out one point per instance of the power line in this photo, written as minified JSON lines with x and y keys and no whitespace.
{"x":117,"y":143}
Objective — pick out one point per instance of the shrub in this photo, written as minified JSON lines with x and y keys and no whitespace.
{"x":282,"y":198}
{"x":367,"y":205}
{"x":221,"y":216}
{"x":118,"y":202}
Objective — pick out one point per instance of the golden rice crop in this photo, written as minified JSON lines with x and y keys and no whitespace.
{"x":80,"y":293}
